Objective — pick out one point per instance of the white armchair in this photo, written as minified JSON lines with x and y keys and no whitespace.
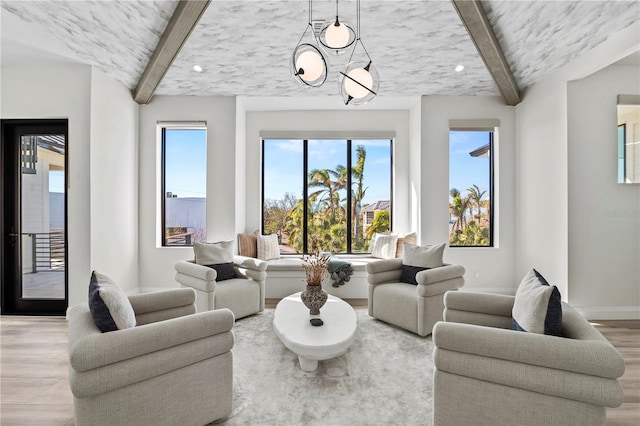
{"x":487,"y":374}
{"x":413,"y":307}
{"x":174,"y":367}
{"x":243,"y":295}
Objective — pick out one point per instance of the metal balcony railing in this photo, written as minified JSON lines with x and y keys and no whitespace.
{"x":47,"y":250}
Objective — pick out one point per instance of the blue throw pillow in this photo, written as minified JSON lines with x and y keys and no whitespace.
{"x":409,"y":273}
{"x":109,"y":304}
{"x":225,"y":271}
{"x":537,"y":307}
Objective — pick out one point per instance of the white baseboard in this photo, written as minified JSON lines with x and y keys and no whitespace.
{"x":609,"y":312}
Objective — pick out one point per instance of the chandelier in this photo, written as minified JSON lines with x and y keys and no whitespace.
{"x":359,"y":80}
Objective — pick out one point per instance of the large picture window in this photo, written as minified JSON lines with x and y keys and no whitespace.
{"x":326,"y":195}
{"x":471,"y":188}
{"x":184,"y":184}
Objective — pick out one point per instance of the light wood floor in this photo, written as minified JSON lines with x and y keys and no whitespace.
{"x":34,"y":377}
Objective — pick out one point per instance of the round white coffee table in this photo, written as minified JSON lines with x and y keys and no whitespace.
{"x":291,"y":325}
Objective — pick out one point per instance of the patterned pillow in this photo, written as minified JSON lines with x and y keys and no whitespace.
{"x":213,"y":253}
{"x":384,"y":246}
{"x":423,"y":256}
{"x":537,"y":307}
{"x":409,"y":274}
{"x":268,"y":247}
{"x":248,"y":244}
{"x":109,"y":305}
{"x":404,"y":238}
{"x":225,"y":271}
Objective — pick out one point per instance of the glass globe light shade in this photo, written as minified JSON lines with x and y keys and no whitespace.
{"x":358,"y":83}
{"x":308,"y":65}
{"x":336,"y":36}
{"x":312,"y":64}
{"x":362,"y":76}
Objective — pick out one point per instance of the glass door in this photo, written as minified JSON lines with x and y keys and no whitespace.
{"x":34,"y":272}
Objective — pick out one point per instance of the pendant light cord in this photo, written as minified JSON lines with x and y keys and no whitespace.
{"x":358,"y":40}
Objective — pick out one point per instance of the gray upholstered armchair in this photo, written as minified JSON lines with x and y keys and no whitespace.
{"x":488,"y":374}
{"x":174,"y":367}
{"x":243,"y":295}
{"x":413,"y":307}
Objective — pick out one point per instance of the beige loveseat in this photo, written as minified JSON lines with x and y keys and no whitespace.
{"x":413,"y":307}
{"x":488,"y":374}
{"x":174,"y":368}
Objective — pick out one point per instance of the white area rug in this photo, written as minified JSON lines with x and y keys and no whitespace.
{"x":384,"y":378}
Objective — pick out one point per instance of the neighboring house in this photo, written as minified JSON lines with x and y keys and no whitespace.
{"x":369,"y":212}
{"x":42,"y":210}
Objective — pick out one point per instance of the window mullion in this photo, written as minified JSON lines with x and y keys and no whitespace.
{"x":305,"y":194}
{"x":349,"y":206}
{"x":163,"y":186}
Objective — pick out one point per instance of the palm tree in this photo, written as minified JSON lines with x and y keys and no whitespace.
{"x":380,"y":223}
{"x":458,"y":208}
{"x":357,"y":173}
{"x":476,"y":196}
{"x":322,"y":178}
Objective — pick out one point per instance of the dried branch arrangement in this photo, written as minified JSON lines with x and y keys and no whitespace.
{"x":315,"y":268}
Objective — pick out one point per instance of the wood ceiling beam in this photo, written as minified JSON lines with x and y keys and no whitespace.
{"x":184,"y":20}
{"x":475,"y":21}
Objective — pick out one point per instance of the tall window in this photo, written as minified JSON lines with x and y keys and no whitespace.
{"x":326,"y":195}
{"x":184,"y":184}
{"x":471,"y":188}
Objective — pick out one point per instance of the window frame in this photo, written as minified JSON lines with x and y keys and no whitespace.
{"x":305,"y":187}
{"x":492,"y":131}
{"x":163,"y":127}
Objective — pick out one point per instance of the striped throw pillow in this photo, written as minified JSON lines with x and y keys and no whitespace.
{"x":404,"y":238}
{"x":248,"y":244}
{"x":268,"y":247}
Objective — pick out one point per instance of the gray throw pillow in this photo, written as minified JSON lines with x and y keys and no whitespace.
{"x":537,"y":307}
{"x":109,"y":304}
{"x":213,"y":253}
{"x":423,"y":256}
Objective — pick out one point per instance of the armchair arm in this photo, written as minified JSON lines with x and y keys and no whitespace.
{"x":250,"y":263}
{"x":384,"y":270}
{"x":145,"y":303}
{"x":432,"y":282}
{"x":443,"y":273}
{"x":163,"y":305}
{"x":195,"y":270}
{"x":592,"y":357}
{"x":489,"y":310}
{"x":89,"y":348}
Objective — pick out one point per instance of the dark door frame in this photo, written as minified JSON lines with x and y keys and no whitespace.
{"x":10,"y":196}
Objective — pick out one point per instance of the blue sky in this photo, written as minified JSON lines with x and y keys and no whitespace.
{"x":186,"y":162}
{"x":283,"y":165}
{"x":56,"y":181}
{"x":465,"y":170}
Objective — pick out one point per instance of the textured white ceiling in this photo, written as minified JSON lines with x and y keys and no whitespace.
{"x":539,"y":37}
{"x":245,"y":49}
{"x":116,"y":36}
{"x":245,"y":46}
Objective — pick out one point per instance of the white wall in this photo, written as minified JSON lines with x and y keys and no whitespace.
{"x":541,"y":179}
{"x":338,"y":124}
{"x":487,"y":269}
{"x":156,"y":262}
{"x":604,"y":220}
{"x":114,"y":181}
{"x":61,"y":91}
{"x":542,"y":183}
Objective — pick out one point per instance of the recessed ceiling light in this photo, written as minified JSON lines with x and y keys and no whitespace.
{"x":459,"y":67}
{"x":197,"y":68}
